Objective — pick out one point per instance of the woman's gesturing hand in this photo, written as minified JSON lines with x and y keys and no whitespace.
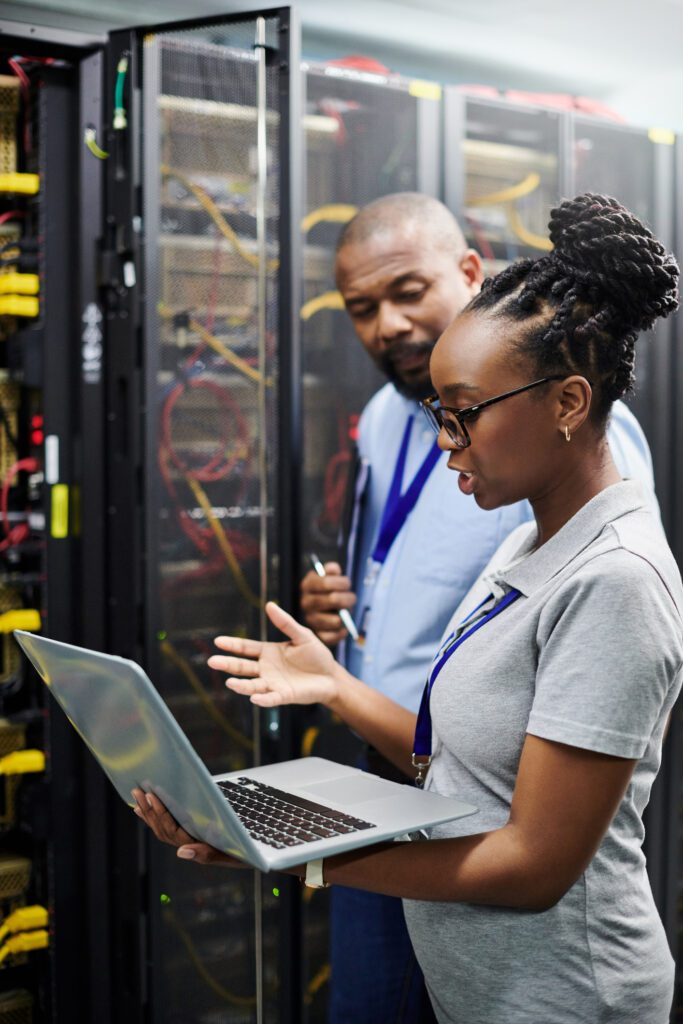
{"x":299,"y":670}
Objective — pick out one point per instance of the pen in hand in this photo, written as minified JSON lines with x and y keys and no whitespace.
{"x":344,"y":614}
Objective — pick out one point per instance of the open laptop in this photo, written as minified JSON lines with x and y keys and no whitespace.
{"x":273,"y":816}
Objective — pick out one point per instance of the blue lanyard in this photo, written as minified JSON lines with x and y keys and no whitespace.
{"x":399,"y":506}
{"x":422,"y":745}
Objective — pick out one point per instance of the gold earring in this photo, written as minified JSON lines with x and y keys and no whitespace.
{"x":567,"y":435}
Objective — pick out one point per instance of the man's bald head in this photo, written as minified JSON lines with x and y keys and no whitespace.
{"x":404,"y":272}
{"x":406,"y":212}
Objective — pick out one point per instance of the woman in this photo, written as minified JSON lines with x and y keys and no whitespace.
{"x":549,"y":716}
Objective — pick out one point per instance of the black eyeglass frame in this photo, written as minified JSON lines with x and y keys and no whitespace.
{"x":437,"y":421}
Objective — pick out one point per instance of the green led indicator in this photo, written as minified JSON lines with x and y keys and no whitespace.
{"x":164,"y":898}
{"x":276,"y":892}
{"x":162,"y":634}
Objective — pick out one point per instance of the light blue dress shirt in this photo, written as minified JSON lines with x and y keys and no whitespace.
{"x":445,"y":543}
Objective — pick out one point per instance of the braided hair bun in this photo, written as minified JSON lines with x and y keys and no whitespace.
{"x":584,"y":303}
{"x":608,"y":250}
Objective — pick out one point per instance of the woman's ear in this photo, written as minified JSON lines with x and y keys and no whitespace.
{"x":574,"y":403}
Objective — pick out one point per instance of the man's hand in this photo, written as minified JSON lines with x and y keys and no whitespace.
{"x":321,"y":599}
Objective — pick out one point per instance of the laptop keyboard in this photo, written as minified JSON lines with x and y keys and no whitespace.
{"x":282,"y":819}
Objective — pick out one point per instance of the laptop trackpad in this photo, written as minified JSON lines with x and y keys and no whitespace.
{"x":353,"y":789}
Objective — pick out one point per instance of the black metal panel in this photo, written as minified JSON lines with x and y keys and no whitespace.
{"x":283,"y":724}
{"x":120,"y":299}
{"x":98,"y":799}
{"x":65,"y":850}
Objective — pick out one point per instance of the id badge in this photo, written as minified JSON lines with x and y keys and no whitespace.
{"x":372,"y":571}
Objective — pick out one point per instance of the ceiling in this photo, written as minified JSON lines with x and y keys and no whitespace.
{"x":626,"y":53}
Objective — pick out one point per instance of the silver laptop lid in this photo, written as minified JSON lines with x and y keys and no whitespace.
{"x":119,"y":714}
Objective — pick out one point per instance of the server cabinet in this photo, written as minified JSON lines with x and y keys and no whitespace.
{"x":366,"y":134}
{"x":42,"y":833}
{"x":505,"y":168}
{"x":202,"y":354}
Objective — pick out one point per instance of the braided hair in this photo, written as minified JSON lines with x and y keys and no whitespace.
{"x":606,"y":279}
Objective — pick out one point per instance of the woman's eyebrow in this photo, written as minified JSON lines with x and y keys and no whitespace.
{"x":460,"y":386}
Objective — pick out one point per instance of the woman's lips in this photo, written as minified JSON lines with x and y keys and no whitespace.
{"x":466,"y":483}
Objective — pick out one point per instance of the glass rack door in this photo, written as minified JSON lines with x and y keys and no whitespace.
{"x":212,"y":206}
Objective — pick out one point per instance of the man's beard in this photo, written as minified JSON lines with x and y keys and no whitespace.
{"x":420,"y":387}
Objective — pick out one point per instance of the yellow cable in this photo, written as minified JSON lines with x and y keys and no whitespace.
{"x":19,"y":305}
{"x":20,"y":618}
{"x":220,"y":991}
{"x":23,"y":918}
{"x":308,"y":739}
{"x":224,"y":544}
{"x":317,"y":982}
{"x":218,"y":346}
{"x":336,"y":213}
{"x":19,"y":284}
{"x":90,"y":140}
{"x":24,"y":942}
{"x":205,"y":200}
{"x":20,"y":762}
{"x":508,"y":195}
{"x":193,"y":679}
{"x":229,"y":356}
{"x":328,"y":300}
{"x":524,"y":235}
{"x":20,"y":183}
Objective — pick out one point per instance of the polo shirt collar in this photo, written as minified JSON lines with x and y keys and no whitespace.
{"x":532,"y":569}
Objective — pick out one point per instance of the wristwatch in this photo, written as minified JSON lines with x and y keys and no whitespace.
{"x":314,"y":875}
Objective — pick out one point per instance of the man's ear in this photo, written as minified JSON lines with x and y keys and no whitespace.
{"x":472,"y":270}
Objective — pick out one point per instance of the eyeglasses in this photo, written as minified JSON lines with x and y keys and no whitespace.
{"x":453,"y":420}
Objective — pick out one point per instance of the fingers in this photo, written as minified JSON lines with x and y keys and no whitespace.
{"x":324,"y":621}
{"x":239,"y":645}
{"x":202,"y":853}
{"x":313,"y":586}
{"x":150,"y":809}
{"x":288,"y":625}
{"x":233,"y":666}
{"x":314,"y":604}
{"x":332,"y":637}
{"x":246,"y":687}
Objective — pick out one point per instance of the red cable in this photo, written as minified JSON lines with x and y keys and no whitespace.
{"x":219,"y":464}
{"x":14,"y":534}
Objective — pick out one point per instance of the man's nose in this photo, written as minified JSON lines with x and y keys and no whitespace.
{"x":392,"y":322}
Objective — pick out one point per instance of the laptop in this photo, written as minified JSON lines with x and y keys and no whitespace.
{"x":271,"y":816}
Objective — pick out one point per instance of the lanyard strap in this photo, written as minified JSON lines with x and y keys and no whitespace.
{"x":422,"y":746}
{"x":399,"y":506}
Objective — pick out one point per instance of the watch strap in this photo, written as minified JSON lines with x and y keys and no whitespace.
{"x":314,"y":875}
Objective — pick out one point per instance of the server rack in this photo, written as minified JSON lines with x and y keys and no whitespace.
{"x":202,"y":354}
{"x":366,"y":134}
{"x":43,"y":832}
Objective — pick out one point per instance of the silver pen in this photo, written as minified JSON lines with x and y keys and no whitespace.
{"x":344,"y":614}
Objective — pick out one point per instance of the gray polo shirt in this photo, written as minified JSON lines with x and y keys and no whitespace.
{"x":590,"y":655}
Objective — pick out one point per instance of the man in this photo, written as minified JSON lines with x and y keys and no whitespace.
{"x":404,"y":271}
